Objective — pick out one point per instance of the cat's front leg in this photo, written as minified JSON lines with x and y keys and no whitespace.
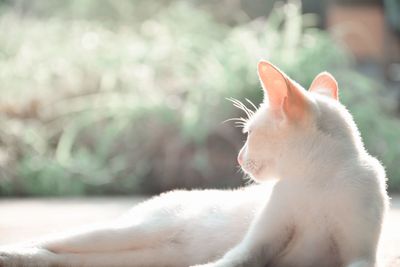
{"x":270,"y":233}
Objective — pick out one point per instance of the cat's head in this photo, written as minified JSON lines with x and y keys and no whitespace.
{"x":293,"y":125}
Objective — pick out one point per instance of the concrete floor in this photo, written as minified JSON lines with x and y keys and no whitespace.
{"x":28,"y":219}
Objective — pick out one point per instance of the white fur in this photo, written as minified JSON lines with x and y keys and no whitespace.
{"x":328,"y":207}
{"x":325,"y":210}
{"x":174,"y":229}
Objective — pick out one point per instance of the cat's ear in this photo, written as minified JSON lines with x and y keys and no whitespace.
{"x":284,"y":95}
{"x":325,"y":84}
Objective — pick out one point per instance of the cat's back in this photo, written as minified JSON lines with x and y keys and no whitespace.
{"x":190,"y":214}
{"x":360,"y":189}
{"x":192,"y":203}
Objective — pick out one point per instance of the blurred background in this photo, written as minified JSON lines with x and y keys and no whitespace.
{"x":102,"y":97}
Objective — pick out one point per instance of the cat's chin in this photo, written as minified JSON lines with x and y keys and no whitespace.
{"x":261,"y":175}
{"x":259,"y":171}
{"x":258,"y":179}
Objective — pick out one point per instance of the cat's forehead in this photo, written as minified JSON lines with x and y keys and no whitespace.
{"x":261,"y":119}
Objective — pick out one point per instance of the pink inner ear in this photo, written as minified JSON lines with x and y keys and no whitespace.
{"x":283,"y":94}
{"x":325,"y":84}
{"x":273,"y":82}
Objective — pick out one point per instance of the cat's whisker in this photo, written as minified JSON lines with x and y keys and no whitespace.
{"x":235,"y":119}
{"x":240,"y":125}
{"x":252,"y":104}
{"x":237,"y":103}
{"x":238,"y":122}
{"x":245,"y":109}
{"x":240,"y":105}
{"x":251,"y":112}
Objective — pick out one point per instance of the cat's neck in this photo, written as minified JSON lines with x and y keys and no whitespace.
{"x":319,"y":158}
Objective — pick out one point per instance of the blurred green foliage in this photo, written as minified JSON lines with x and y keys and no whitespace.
{"x":128,"y":96}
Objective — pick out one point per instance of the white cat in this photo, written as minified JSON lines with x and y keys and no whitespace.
{"x":325,"y":209}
